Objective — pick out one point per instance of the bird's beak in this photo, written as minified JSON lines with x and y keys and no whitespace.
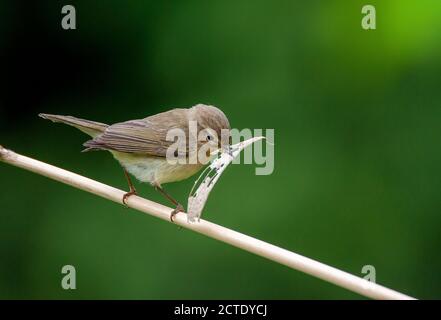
{"x":225,"y":144}
{"x":227,"y":149}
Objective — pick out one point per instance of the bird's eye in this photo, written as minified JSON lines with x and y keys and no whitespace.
{"x":209,"y":137}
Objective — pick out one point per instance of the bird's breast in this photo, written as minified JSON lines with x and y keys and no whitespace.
{"x":155,"y":170}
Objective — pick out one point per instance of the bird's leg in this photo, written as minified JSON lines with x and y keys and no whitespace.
{"x":132,"y":188}
{"x":179,"y":207}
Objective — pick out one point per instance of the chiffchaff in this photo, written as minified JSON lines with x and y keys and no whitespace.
{"x":141,"y":146}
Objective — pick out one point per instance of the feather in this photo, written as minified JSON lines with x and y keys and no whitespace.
{"x":91,"y":128}
{"x":144,"y":136}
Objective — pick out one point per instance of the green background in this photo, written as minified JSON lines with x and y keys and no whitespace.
{"x":356,"y":114}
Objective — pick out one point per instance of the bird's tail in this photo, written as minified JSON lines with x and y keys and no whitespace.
{"x":91,"y":128}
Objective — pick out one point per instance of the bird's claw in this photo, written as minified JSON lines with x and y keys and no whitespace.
{"x":127,"y":195}
{"x":179,"y":208}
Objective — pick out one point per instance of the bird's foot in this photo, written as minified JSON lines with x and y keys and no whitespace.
{"x":127,"y":195}
{"x":179,"y":208}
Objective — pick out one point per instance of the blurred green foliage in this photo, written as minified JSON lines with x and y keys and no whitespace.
{"x":356,"y":115}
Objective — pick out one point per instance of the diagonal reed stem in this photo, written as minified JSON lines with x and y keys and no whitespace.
{"x":234,"y":238}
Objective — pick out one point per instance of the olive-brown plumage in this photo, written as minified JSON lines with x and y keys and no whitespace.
{"x":141,"y":145}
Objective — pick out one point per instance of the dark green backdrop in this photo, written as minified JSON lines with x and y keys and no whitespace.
{"x":356,"y":115}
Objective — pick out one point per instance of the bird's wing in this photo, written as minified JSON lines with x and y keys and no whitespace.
{"x":144,"y":136}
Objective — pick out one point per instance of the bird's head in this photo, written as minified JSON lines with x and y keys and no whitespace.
{"x":213,"y":127}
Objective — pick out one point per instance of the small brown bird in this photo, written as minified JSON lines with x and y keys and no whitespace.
{"x":141,"y":145}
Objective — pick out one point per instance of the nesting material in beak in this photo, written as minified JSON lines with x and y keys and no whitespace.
{"x":209,"y":177}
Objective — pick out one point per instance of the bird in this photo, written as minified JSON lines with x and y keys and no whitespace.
{"x":140,"y":146}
